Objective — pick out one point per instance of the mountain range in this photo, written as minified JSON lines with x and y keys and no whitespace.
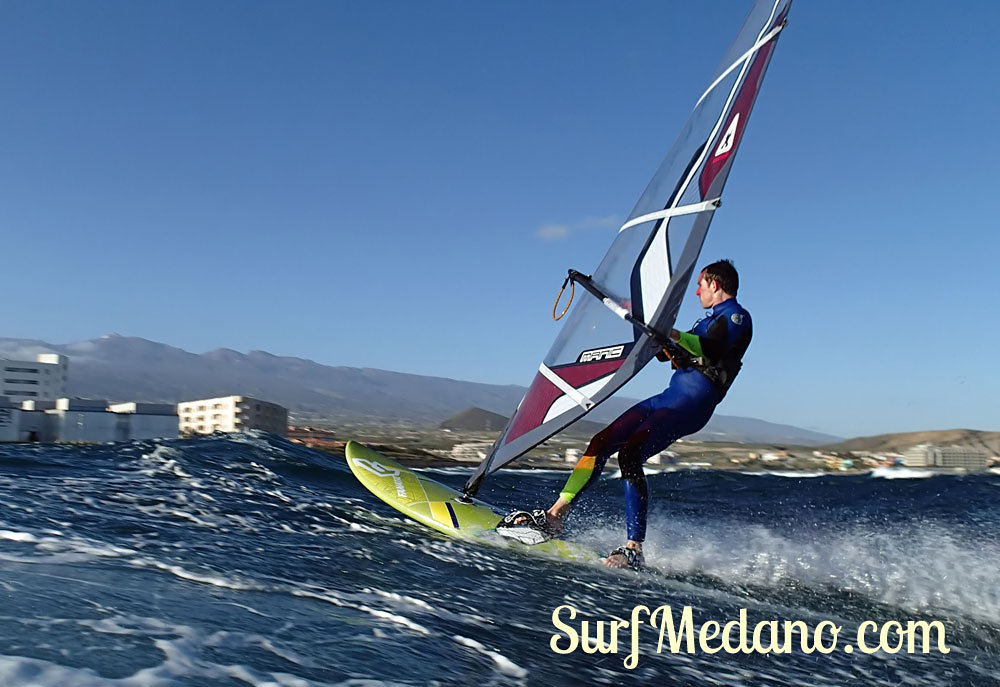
{"x":121,"y":368}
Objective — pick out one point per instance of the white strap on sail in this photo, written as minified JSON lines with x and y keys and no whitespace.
{"x":741,"y":59}
{"x":564,"y":386}
{"x":673,"y":212}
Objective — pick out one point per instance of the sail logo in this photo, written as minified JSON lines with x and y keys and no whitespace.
{"x":607,"y":353}
{"x":729,"y":138}
{"x":379,"y":470}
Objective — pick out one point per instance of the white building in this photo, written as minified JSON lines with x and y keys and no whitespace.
{"x":145,"y":421}
{"x":928,"y":455}
{"x":85,"y":421}
{"x":232,"y":414}
{"x":80,"y":420}
{"x":9,"y":420}
{"x":43,"y":379}
{"x":474,"y":450}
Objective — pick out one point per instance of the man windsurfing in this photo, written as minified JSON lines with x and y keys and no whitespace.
{"x":707,"y":359}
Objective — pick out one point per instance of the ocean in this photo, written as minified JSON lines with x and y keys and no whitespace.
{"x":249,"y":560}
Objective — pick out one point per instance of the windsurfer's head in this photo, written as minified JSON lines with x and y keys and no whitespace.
{"x":717,"y":282}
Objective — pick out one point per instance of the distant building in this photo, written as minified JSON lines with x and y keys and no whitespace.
{"x":928,"y":455}
{"x":232,"y":414}
{"x":312,"y":436}
{"x":43,"y":379}
{"x":9,"y":420}
{"x":475,"y":450}
{"x":664,"y":458}
{"x":144,"y":421}
{"x":80,"y":420}
{"x":85,"y":421}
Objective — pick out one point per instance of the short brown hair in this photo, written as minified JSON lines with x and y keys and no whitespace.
{"x":725,"y":273}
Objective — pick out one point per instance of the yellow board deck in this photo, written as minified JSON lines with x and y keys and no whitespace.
{"x":438,"y":506}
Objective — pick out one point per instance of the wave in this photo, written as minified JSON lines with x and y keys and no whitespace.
{"x":919,"y":567}
{"x":246,"y":539}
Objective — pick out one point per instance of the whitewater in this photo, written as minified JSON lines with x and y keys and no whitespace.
{"x":248,"y":560}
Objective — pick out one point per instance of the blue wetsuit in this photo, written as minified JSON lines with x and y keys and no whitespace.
{"x":683,"y":408}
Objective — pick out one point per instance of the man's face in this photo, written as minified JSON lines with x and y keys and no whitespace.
{"x":706,"y":291}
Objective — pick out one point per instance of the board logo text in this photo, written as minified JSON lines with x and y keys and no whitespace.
{"x":379,"y":470}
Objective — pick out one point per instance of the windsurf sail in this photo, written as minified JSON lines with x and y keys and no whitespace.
{"x":638,"y":287}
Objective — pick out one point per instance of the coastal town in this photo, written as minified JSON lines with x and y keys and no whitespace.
{"x":442,"y":447}
{"x":34,"y":408}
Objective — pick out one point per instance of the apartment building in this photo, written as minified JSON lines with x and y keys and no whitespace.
{"x":232,"y":414}
{"x":42,"y":379}
{"x":928,"y":455}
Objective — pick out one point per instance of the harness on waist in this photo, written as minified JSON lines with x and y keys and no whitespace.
{"x":718,"y":373}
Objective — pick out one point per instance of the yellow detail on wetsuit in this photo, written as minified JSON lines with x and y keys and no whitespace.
{"x":581,"y":473}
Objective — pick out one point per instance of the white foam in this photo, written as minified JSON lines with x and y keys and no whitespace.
{"x":326,"y":596}
{"x":394,"y":618}
{"x":448,"y":470}
{"x":276,"y":493}
{"x":783,"y":473}
{"x":504,"y":664}
{"x":67,"y":549}
{"x":17,"y":536}
{"x":81,"y":546}
{"x":330,"y":598}
{"x":28,"y":672}
{"x":182,"y":647}
{"x":900,"y":473}
{"x":401,"y":598}
{"x":358,"y":527}
{"x":185,"y":515}
{"x":916,"y":566}
{"x":214,"y":580}
{"x":161,"y":452}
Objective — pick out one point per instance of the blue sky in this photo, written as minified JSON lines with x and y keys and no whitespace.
{"x":403,"y":185}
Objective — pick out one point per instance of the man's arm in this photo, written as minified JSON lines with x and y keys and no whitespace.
{"x":712,"y":344}
{"x":689,"y":342}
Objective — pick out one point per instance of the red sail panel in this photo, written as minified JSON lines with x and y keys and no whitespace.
{"x":732,"y":132}
{"x":542,"y":393}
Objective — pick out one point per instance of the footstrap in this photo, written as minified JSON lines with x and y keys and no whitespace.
{"x":536,"y":519}
{"x":535,"y":527}
{"x":635,"y":559}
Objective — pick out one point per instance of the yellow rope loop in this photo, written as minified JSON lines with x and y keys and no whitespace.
{"x":572,"y":290}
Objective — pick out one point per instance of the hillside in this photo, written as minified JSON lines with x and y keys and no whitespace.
{"x":479,"y":420}
{"x":902,"y":441}
{"x":121,"y":368}
{"x":475,"y":420}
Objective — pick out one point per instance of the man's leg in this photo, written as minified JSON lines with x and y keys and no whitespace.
{"x":591,"y":464}
{"x":660,"y":429}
